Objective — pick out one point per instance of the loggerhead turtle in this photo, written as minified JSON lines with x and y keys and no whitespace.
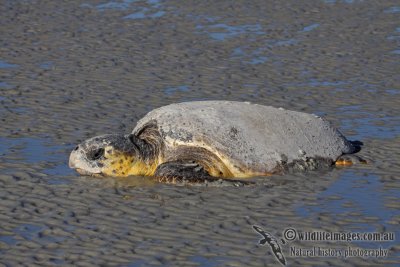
{"x":209,"y":140}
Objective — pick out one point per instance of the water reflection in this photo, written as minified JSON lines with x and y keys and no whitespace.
{"x":35,"y":151}
{"x":46,"y":65}
{"x":392,"y":10}
{"x":222,"y":31}
{"x":125,"y":4}
{"x":342,"y":1}
{"x":257,"y":56}
{"x":143,"y":9}
{"x":6,"y":65}
{"x":172,"y":90}
{"x":310,"y":27}
{"x":5,"y":85}
{"x":144,"y":13}
{"x":361,"y":125}
{"x":353,"y":197}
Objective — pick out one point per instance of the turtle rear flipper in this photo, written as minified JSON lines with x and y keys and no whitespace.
{"x":348,"y":159}
{"x":351,"y":159}
{"x":189,"y":172}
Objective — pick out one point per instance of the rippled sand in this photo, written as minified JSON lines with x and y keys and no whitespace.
{"x":73,"y":70}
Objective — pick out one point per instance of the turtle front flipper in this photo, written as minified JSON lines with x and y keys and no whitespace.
{"x":189,"y":172}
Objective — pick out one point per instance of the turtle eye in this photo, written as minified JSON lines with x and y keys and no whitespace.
{"x":98,"y":154}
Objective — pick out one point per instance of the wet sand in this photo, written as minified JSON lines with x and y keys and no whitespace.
{"x":73,"y":70}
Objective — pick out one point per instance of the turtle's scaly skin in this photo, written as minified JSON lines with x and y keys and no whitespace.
{"x":224,"y":138}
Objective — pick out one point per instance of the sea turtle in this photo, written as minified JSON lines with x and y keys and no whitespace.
{"x":208,"y":140}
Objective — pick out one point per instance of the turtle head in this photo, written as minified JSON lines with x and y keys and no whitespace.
{"x":108,"y":155}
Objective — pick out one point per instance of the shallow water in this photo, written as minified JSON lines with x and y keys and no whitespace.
{"x":72,"y":70}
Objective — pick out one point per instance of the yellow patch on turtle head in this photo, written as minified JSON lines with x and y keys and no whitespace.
{"x":120,"y":164}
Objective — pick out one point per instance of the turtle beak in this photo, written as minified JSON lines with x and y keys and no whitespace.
{"x":79,"y":162}
{"x":74,"y":158}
